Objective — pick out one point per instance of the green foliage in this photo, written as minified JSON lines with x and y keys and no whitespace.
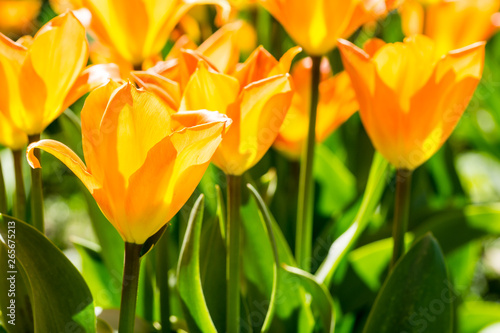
{"x":60,"y":297}
{"x":416,"y":295}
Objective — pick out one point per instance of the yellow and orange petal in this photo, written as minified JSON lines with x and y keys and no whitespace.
{"x":410,"y":105}
{"x":142,"y":163}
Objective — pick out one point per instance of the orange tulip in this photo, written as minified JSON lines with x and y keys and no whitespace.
{"x":337,"y":102}
{"x":169,"y":78}
{"x":317,"y":25}
{"x":17,"y":16}
{"x":471,"y":21}
{"x":256,"y":96}
{"x":410,"y":97}
{"x":143,"y":163}
{"x":135,"y":31}
{"x":41,"y":76}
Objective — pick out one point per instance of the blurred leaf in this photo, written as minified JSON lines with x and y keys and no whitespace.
{"x":462,"y":264}
{"x":473,"y":316}
{"x":338,"y":185}
{"x":456,"y":227}
{"x":105,"y":293}
{"x":416,"y":295}
{"x":188,"y":275}
{"x":103,"y":327}
{"x":111,"y":317}
{"x":371,"y":261}
{"x":61,"y":299}
{"x":371,"y":197}
{"x":269,"y":228}
{"x":321,"y":301}
{"x":479,"y":174}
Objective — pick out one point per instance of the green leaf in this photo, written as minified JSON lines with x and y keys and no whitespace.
{"x":61,"y":299}
{"x":105,"y":293}
{"x":266,"y":217}
{"x":457,"y":227}
{"x":371,"y":261}
{"x":188,"y":274}
{"x":338,"y":184}
{"x":321,"y":302}
{"x":371,"y":197}
{"x":416,"y":295}
{"x":24,"y":315}
{"x":292,"y":311}
{"x":473,"y":316}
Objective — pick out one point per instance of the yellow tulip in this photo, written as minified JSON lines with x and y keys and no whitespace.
{"x":337,"y":102}
{"x":411,"y":97}
{"x":317,"y":24}
{"x":255,"y":95}
{"x":17,"y":16}
{"x":41,"y":76}
{"x":143,"y":163}
{"x":135,"y":31}
{"x":451,"y":24}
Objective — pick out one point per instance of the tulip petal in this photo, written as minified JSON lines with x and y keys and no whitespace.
{"x":337,"y":104}
{"x":12,"y":56}
{"x":65,"y":155}
{"x":263,"y":106}
{"x":257,"y":67}
{"x":406,"y":67}
{"x":55,"y":60}
{"x":92,"y":77}
{"x":165,"y":88}
{"x":175,"y":165}
{"x":93,"y":137}
{"x":222,"y":47}
{"x":361,"y":71}
{"x":209,"y":90}
{"x":138,"y":120}
{"x":285,"y":62}
{"x":10,"y":136}
{"x":468,"y":61}
{"x":164,"y":21}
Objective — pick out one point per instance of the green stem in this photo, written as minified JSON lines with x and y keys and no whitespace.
{"x":36,"y":190}
{"x":233,"y":253}
{"x":303,"y":240}
{"x":162,"y":267}
{"x":129,"y":287}
{"x":401,"y":212}
{"x":148,"y":289}
{"x":20,"y":198}
{"x":3,"y":192}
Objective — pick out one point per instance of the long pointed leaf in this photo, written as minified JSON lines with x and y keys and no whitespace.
{"x":371,"y":197}
{"x":267,"y":219}
{"x":188,"y":275}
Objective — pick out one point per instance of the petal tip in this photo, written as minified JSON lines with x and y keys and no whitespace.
{"x":30,"y":156}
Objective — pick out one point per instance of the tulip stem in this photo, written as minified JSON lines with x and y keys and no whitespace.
{"x":305,"y":209}
{"x":36,"y":190}
{"x":129,"y":287}
{"x":233,"y":253}
{"x":401,"y":212}
{"x":20,"y":198}
{"x":3,"y":192}
{"x":162,"y":267}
